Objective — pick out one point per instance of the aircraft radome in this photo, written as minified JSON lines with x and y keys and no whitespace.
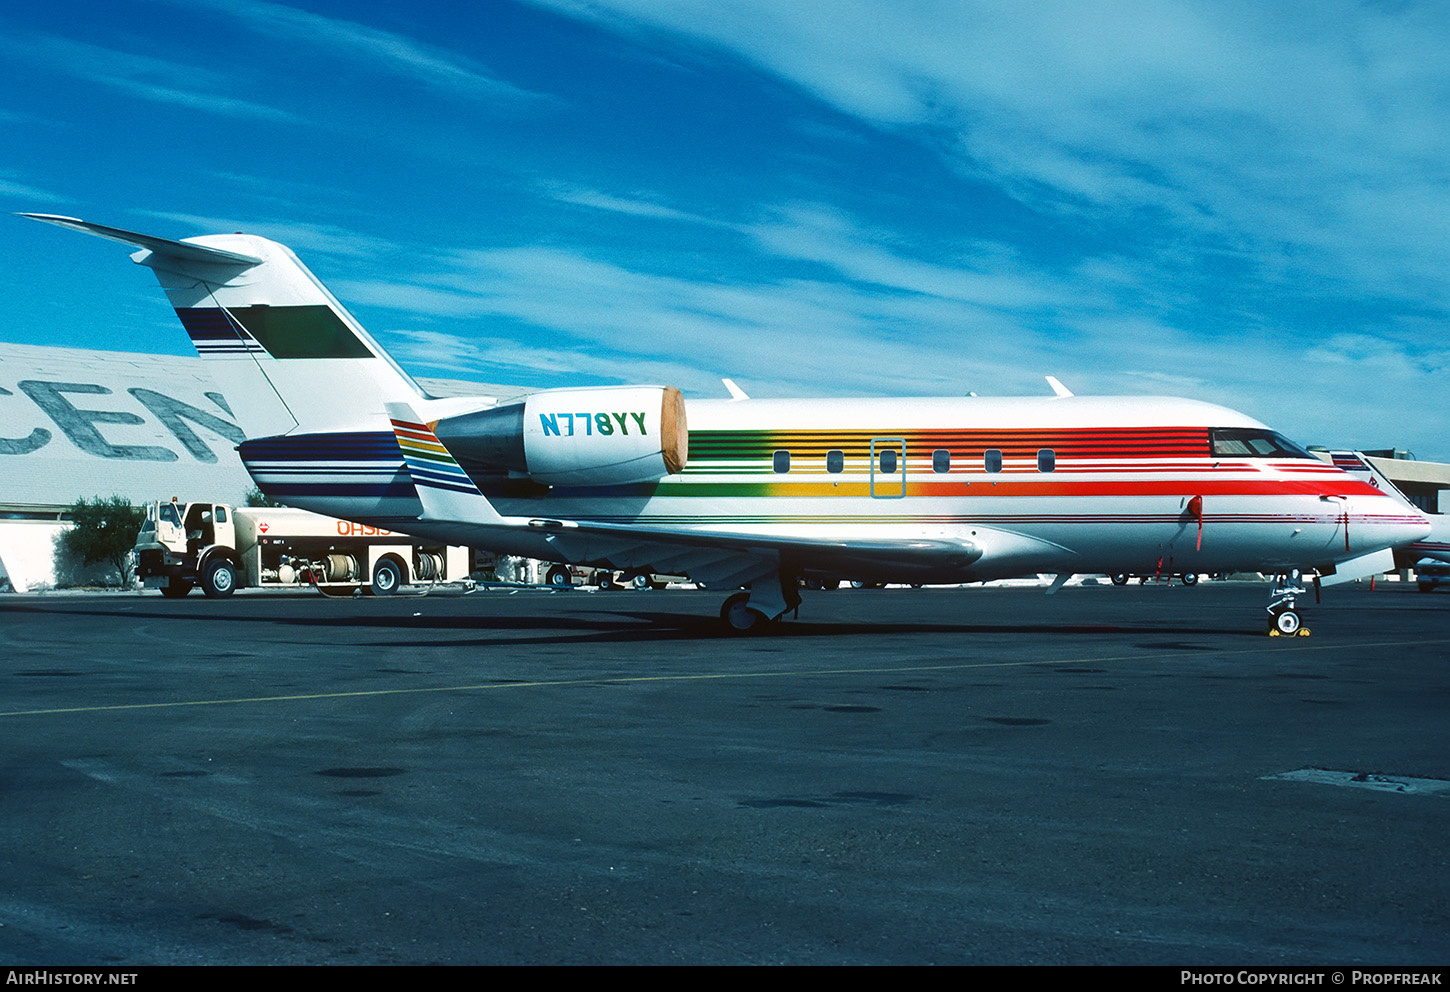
{"x":757,"y":494}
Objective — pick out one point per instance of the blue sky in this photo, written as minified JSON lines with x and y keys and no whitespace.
{"x":1242,"y":202}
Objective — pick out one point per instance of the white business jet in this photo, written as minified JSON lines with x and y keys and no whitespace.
{"x":756,"y":494}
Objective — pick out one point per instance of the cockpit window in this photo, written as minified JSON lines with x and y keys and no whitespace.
{"x":1248,"y":442}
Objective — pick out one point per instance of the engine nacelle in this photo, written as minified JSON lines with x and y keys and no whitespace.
{"x":602,"y":436}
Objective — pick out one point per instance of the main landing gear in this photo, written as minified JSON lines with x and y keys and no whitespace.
{"x":764,"y":602}
{"x":740,"y":617}
{"x":1284,"y":619}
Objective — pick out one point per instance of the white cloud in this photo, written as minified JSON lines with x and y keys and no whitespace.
{"x":548,"y":316}
{"x":10,"y":186}
{"x":142,"y":76}
{"x":300,"y":237}
{"x":635,"y":206}
{"x":1252,"y":126}
{"x":819,"y":234}
{"x":385,"y":51}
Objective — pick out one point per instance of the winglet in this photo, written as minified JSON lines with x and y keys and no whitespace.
{"x":1058,"y":387}
{"x":736,"y":393}
{"x":444,"y":488}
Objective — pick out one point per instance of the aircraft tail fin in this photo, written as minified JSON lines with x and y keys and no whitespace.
{"x":288,"y":356}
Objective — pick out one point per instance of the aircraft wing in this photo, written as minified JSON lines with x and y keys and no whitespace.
{"x":721,"y":557}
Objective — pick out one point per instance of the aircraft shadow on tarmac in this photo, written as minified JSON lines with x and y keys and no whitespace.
{"x":622,"y":626}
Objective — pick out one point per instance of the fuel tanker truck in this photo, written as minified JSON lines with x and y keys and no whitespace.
{"x":221,"y":548}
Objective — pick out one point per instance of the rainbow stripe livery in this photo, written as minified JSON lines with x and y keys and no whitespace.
{"x":429,"y":463}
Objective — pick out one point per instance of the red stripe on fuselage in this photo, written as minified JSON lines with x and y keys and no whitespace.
{"x":979,"y":485}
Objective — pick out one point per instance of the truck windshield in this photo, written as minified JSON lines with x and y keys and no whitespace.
{"x":1247,"y":442}
{"x":170,"y":515}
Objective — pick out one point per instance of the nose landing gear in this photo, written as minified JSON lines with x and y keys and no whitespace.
{"x":1284,"y":619}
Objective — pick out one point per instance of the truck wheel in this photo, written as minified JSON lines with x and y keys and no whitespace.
{"x":559,"y":577}
{"x":1120,"y":578}
{"x":1190,"y":578}
{"x":386,"y":577}
{"x":219,"y":579}
{"x":642,"y":581}
{"x":175,"y":588}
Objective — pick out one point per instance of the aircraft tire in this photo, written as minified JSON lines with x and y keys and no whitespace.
{"x":1190,"y":578}
{"x":1120,"y":578}
{"x":739,"y":618}
{"x":219,"y":579}
{"x":1287,"y":622}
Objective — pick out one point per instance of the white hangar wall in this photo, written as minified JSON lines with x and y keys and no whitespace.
{"x":77,"y":423}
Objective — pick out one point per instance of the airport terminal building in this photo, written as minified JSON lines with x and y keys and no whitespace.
{"x":77,"y":423}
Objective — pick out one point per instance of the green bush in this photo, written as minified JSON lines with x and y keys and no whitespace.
{"x":103,"y":531}
{"x":255,"y":497}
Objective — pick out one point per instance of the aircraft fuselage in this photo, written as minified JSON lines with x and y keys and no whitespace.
{"x":990,"y":487}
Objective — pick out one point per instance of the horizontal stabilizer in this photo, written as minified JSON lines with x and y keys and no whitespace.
{"x":161,"y":246}
{"x":444,"y":488}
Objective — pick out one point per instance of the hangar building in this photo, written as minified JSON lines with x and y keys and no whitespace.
{"x":78,"y":423}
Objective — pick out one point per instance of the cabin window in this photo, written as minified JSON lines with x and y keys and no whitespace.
{"x":835,"y":460}
{"x":170,"y":515}
{"x":221,"y":514}
{"x":1046,"y":460}
{"x":888,"y":461}
{"x":780,"y":462}
{"x":992,"y":460}
{"x":941,"y":461}
{"x":1242,"y":442}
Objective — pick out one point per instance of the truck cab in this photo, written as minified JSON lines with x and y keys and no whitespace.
{"x":182,"y":545}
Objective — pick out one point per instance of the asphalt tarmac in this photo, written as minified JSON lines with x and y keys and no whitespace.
{"x":977,"y":776}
